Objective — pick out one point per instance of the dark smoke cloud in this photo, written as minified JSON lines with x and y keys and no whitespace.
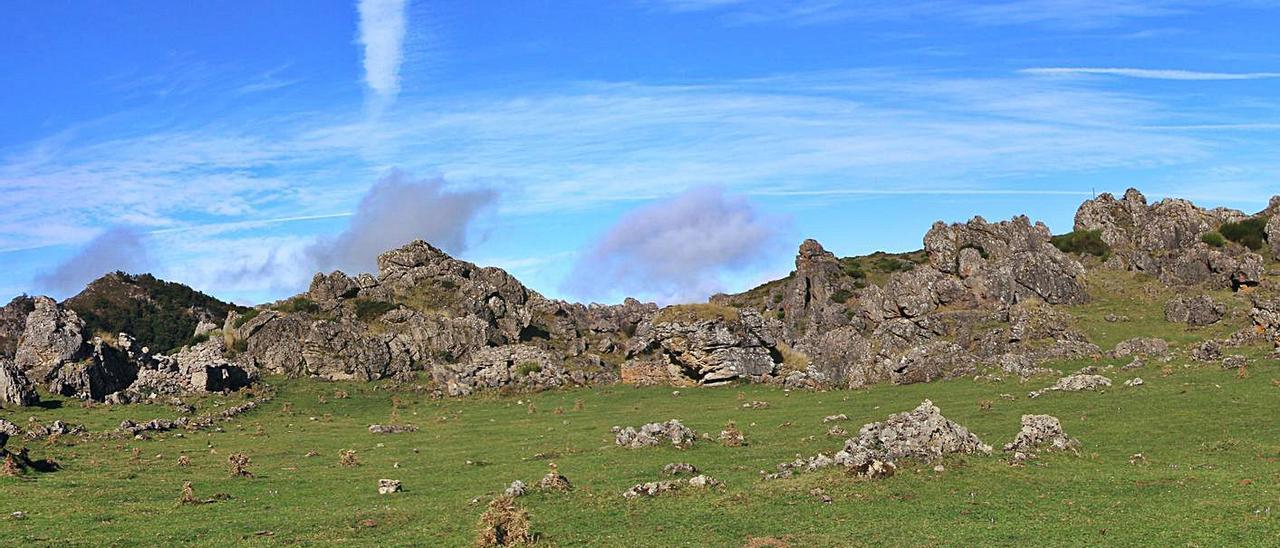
{"x":396,"y":211}
{"x":676,"y":250}
{"x":118,"y":248}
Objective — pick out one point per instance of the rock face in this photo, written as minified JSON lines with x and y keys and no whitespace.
{"x":704,"y":344}
{"x":921,"y":434}
{"x":53,"y":336}
{"x":15,"y":388}
{"x":1199,"y":310}
{"x":1010,"y":261}
{"x":1140,"y":346}
{"x":1164,"y":240}
{"x":1040,"y":432}
{"x":1075,"y":383}
{"x":13,"y":321}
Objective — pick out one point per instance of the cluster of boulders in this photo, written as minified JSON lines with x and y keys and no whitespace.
{"x":1039,"y":432}
{"x":1194,"y":310}
{"x":54,"y":350}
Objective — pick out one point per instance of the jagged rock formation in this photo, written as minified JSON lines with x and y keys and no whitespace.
{"x":1165,"y":240}
{"x":1010,"y":261}
{"x":655,"y":433}
{"x":52,"y":337}
{"x":469,"y":327}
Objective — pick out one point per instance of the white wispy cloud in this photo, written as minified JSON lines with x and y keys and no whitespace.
{"x":1075,"y":14}
{"x":1151,"y":74}
{"x":382,"y":33}
{"x":201,"y":190}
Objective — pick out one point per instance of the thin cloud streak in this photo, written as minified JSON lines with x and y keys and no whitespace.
{"x":382,"y":31}
{"x":1150,"y":74}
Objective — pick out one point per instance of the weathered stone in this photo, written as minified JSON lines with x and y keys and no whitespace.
{"x":516,"y":489}
{"x":53,"y":336}
{"x":677,"y":468}
{"x":707,"y":344}
{"x":1140,"y":346}
{"x":15,"y":388}
{"x":331,"y":287}
{"x":932,"y":361}
{"x":104,"y":371}
{"x":1040,"y":432}
{"x":922,"y":434}
{"x":13,"y":321}
{"x":655,"y":433}
{"x":1075,"y":383}
{"x":1198,"y":310}
{"x":388,"y":486}
{"x":1207,"y":351}
{"x":1017,"y":261}
{"x":1234,"y":361}
{"x":392,"y":428}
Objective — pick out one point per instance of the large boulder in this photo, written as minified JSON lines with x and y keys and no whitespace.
{"x":932,"y":361}
{"x":1198,"y":310}
{"x":15,"y":388}
{"x":331,"y":287}
{"x":105,"y":371}
{"x":706,"y":344}
{"x":273,"y":342}
{"x":53,"y":336}
{"x":518,"y":365}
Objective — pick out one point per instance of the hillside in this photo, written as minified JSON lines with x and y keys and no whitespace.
{"x":159,"y":314}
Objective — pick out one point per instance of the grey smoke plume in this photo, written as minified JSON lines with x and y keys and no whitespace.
{"x":676,"y":250}
{"x":396,"y":211}
{"x":118,"y":248}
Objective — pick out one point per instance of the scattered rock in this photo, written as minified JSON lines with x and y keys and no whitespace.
{"x":388,"y":486}
{"x":516,"y":489}
{"x":677,"y":468}
{"x":1136,"y":381}
{"x":1075,"y":383}
{"x":553,"y":481}
{"x":1234,"y":361}
{"x":834,"y":418}
{"x":655,"y":488}
{"x":391,"y":428}
{"x":1039,"y":432}
{"x":1207,"y":351}
{"x":654,"y":433}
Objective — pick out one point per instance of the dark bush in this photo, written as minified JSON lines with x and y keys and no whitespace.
{"x":1085,"y":242}
{"x":1214,"y":239}
{"x":841,"y":295}
{"x":851,"y":268}
{"x":372,"y":310}
{"x":1251,"y":232}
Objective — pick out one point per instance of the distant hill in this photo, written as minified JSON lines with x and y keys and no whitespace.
{"x":161,"y":315}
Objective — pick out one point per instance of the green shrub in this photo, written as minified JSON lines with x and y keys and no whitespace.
{"x":246,"y":318}
{"x":298,"y":305}
{"x":841,"y":295}
{"x":1251,"y":232}
{"x":894,"y":264}
{"x":1085,"y":242}
{"x":240,"y":346}
{"x":524,"y":369}
{"x":371,"y":310}
{"x":1214,"y":239}
{"x":851,"y":268}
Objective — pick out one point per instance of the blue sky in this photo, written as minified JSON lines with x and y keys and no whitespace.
{"x":229,"y":145}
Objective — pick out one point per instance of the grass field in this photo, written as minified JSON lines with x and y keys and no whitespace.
{"x":1211,"y":477}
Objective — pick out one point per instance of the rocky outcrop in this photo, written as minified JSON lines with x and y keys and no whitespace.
{"x":921,"y":434}
{"x":932,"y":361}
{"x":1010,"y":261}
{"x":1198,"y":310}
{"x":1164,"y":240}
{"x":53,"y":336}
{"x":705,"y":344}
{"x":15,"y":388}
{"x":517,"y":365}
{"x":331,"y":287}
{"x":1140,"y":346}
